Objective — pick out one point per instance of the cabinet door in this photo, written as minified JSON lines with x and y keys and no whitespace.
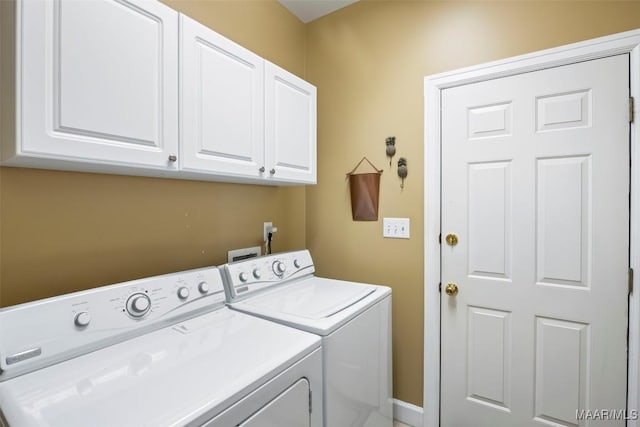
{"x":222,"y":122}
{"x":99,"y":81}
{"x":290,"y":127}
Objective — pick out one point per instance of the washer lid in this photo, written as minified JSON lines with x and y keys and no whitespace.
{"x":169,"y":377}
{"x":312,"y":298}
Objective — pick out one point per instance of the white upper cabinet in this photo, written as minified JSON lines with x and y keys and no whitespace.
{"x":222,"y":122}
{"x":290,"y":126}
{"x":97,"y":83}
{"x":243,"y":118}
{"x":134,"y":87}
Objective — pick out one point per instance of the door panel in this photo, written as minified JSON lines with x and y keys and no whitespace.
{"x":489,"y":356}
{"x":535,"y":184}
{"x":490,"y":219}
{"x":561,"y":352}
{"x":222,"y":103}
{"x":99,"y":81}
{"x":290,"y":126}
{"x":564,"y":111}
{"x":564,"y":235}
{"x":76,"y":85}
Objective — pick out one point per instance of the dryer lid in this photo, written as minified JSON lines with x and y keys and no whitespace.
{"x":312,"y":298}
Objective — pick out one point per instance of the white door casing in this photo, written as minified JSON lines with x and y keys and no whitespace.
{"x":434,"y":85}
{"x":535,"y":184}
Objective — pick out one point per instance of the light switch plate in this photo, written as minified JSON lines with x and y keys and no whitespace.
{"x":396,"y":228}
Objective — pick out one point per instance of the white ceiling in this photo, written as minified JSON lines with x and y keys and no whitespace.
{"x":308,"y":10}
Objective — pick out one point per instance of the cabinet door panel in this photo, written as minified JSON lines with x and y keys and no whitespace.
{"x":99,"y":81}
{"x":222,"y":104}
{"x":290,"y":126}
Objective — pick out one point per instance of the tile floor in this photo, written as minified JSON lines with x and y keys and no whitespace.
{"x":399,"y":424}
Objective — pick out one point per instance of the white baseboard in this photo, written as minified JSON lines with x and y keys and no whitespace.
{"x":407,"y":413}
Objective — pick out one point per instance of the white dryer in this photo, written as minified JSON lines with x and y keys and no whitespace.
{"x":161,"y":351}
{"x":353,"y":319}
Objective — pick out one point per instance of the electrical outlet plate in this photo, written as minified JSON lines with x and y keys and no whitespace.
{"x":396,"y":228}
{"x":265,"y":230}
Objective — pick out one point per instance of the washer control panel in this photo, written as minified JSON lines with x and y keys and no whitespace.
{"x":253,"y":274}
{"x":57,"y":328}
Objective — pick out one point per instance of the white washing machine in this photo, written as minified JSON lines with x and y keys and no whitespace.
{"x":353,"y":319}
{"x":161,"y":351}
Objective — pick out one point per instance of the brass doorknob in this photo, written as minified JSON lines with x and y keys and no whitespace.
{"x":451,"y":239}
{"x":451,"y":289}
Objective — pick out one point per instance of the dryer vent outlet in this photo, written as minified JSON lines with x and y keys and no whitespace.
{"x":265,"y":230}
{"x":244,"y":253}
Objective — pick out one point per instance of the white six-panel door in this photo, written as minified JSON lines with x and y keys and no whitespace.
{"x":99,"y":81}
{"x":535,"y":184}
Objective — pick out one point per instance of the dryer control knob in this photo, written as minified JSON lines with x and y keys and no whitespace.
{"x":279,"y":268}
{"x":82,"y":319}
{"x":296,"y":263}
{"x":138,"y":305}
{"x":243,"y":277}
{"x":183,"y":293}
{"x":203,"y":287}
{"x":256,"y":273}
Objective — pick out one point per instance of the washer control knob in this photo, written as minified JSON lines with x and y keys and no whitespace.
{"x":243,"y":277}
{"x":138,"y":305}
{"x":203,"y":287}
{"x":279,"y":268}
{"x":256,"y":273}
{"x":296,"y":263}
{"x":183,"y":293}
{"x":82,"y":319}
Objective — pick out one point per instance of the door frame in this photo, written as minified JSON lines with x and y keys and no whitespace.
{"x":627,"y":42}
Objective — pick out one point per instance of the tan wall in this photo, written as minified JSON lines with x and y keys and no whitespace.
{"x":368,"y":62}
{"x":62,"y":232}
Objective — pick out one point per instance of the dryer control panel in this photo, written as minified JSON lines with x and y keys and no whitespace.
{"x":255,"y":274}
{"x":44,"y":332}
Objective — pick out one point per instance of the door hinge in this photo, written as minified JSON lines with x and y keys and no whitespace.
{"x":630,"y":281}
{"x":631,"y":109}
{"x":440,"y":238}
{"x":440,"y":287}
{"x":310,"y":401}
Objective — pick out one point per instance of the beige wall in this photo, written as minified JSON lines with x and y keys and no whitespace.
{"x":61,"y":231}
{"x":368,"y":62}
